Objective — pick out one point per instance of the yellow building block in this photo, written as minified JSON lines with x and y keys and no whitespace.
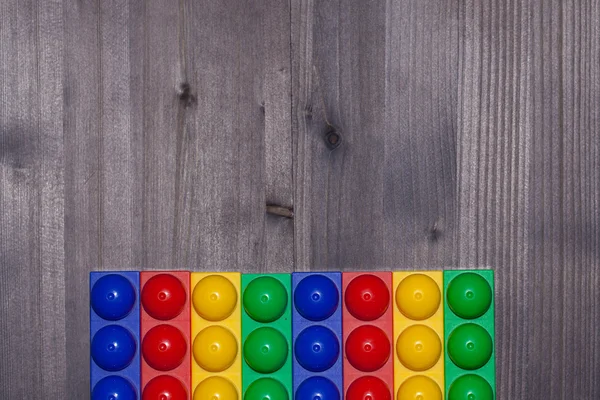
{"x":418,"y":335}
{"x":216,"y":335}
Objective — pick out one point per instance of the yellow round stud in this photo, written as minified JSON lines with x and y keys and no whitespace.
{"x":215,"y":348}
{"x":418,"y":388}
{"x":418,"y":297}
{"x":214,"y":298}
{"x":418,"y":347}
{"x":215,"y":388}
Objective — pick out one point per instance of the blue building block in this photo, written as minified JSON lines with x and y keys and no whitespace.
{"x":115,"y":335}
{"x":317,"y":335}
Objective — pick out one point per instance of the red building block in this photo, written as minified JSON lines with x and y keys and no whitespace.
{"x":165,"y":332}
{"x":368,"y":334}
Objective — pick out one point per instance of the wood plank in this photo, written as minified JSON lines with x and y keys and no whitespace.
{"x":162,"y":94}
{"x":564,"y":343}
{"x":118,"y":147}
{"x":50,"y":45}
{"x":277,"y":95}
{"x":31,"y":201}
{"x":528,"y":186}
{"x":493,"y":153}
{"x":235,"y":59}
{"x":82,"y":183}
{"x":19,"y":202}
{"x":420,"y":133}
{"x":384,"y":75}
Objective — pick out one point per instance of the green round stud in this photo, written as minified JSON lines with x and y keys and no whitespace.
{"x":469,"y":295}
{"x":265,"y":299}
{"x":470,"y":346}
{"x":266,"y":389}
{"x":470,"y":387}
{"x":265,"y":350}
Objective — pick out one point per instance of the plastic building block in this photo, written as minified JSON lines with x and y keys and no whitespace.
{"x":418,"y":335}
{"x":216,"y":331}
{"x":165,"y":327}
{"x":267,"y":336}
{"x":317,"y":333}
{"x":469,"y":335}
{"x":115,"y":335}
{"x":367,"y":331}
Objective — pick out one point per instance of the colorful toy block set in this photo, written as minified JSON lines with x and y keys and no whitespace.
{"x":171,"y":335}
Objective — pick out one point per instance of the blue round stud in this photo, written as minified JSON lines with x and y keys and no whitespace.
{"x":113,"y":348}
{"x":114,"y":388}
{"x":317,"y":388}
{"x":112,"y":297}
{"x":316,"y":297}
{"x":317,"y":348}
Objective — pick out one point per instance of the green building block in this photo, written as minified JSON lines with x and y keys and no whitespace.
{"x":266,"y":336}
{"x":470,"y":357}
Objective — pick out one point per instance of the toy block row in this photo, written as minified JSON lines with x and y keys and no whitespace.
{"x":307,"y":336}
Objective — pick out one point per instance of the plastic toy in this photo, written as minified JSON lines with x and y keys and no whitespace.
{"x":418,"y":335}
{"x":165,"y":327}
{"x":216,"y":331}
{"x":266,"y":334}
{"x":317,"y":333}
{"x":469,"y":334}
{"x":367,"y":330}
{"x":114,"y":335}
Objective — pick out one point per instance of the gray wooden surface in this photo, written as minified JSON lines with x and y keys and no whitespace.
{"x":298,"y":135}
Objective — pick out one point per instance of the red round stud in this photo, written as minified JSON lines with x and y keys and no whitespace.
{"x":368,"y":348}
{"x":367,"y":297}
{"x":164,"y":387}
{"x":163,"y":297}
{"x":164,"y":347}
{"x":368,"y":388}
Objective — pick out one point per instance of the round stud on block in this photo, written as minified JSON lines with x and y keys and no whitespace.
{"x":470,"y":346}
{"x":112,"y":297}
{"x":470,"y":387}
{"x":215,"y":348}
{"x":316,"y":297}
{"x":419,"y":387}
{"x":265,"y":350}
{"x":215,"y":388}
{"x":368,"y":388}
{"x":367,"y":348}
{"x":265,"y":299}
{"x":418,"y":297}
{"x":418,"y":347}
{"x":469,"y":295}
{"x":317,"y":388}
{"x":164,"y":347}
{"x":164,"y":387}
{"x":114,"y":387}
{"x":266,"y":389}
{"x":214,"y":298}
{"x":113,"y":348}
{"x":367,"y":297}
{"x":317,"y":348}
{"x":163,"y":297}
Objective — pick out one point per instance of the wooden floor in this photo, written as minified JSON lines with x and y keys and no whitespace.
{"x":302,"y":135}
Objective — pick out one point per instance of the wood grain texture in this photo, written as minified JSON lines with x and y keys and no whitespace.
{"x":494,"y":153}
{"x":229,"y":163}
{"x":198,"y":135}
{"x":564,"y":264}
{"x":32,"y":200}
{"x":528,"y":187}
{"x":172,"y":155}
{"x":384,"y":75}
